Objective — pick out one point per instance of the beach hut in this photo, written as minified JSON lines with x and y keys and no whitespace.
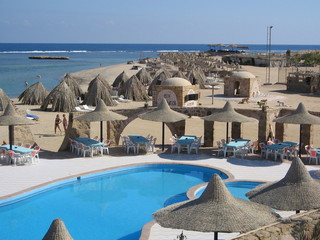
{"x":99,"y":89}
{"x":197,"y":76}
{"x":11,"y":118}
{"x":157,"y":81}
{"x":4,"y":100}
{"x":228,"y":114}
{"x":216,"y":210}
{"x":34,"y":95}
{"x":100,"y":114}
{"x":163,"y":113}
{"x":57,"y":231}
{"x":73,"y":85}
{"x":120,"y":80}
{"x":61,"y":98}
{"x":296,"y":191}
{"x":299,"y":116}
{"x":144,"y":76}
{"x":134,"y":90}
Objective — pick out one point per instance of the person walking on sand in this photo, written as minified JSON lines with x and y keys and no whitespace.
{"x":64,"y":123}
{"x":57,"y":122}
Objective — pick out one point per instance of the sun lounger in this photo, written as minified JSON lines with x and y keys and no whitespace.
{"x":85,"y":107}
{"x":79,"y":109}
{"x":121,"y":99}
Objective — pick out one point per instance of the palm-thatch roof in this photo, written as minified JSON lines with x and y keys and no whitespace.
{"x":157,"y":81}
{"x":34,"y":95}
{"x":4,"y":100}
{"x":73,"y":85}
{"x":197,"y":76}
{"x":99,"y":89}
{"x":162,"y":70}
{"x":180,"y":74}
{"x":61,"y":98}
{"x":57,"y":231}
{"x":144,"y":76}
{"x":134,"y":90}
{"x":120,"y":80}
{"x":216,"y":210}
{"x":296,"y":191}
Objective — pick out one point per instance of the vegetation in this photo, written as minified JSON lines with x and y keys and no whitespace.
{"x":310,"y":58}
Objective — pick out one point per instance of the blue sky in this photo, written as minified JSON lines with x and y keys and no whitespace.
{"x":164,"y":21}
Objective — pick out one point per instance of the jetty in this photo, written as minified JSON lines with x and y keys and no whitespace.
{"x":49,"y":57}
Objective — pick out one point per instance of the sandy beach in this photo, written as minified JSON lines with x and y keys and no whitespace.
{"x":43,"y":130}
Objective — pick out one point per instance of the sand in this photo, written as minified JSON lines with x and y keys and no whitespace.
{"x":45,"y":137}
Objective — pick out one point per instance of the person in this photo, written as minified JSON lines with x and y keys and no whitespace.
{"x":64,"y":123}
{"x":26,"y":83}
{"x":57,"y":122}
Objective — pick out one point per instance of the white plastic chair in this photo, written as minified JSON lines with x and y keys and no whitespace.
{"x":220,"y":148}
{"x":313,"y":155}
{"x":85,"y":149}
{"x":263,"y":149}
{"x":174,"y":144}
{"x":72,"y":145}
{"x":105,"y":146}
{"x":195,"y":145}
{"x":153,"y":144}
{"x":130,"y":145}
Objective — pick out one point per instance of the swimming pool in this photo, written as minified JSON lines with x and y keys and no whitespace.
{"x":238,"y":188}
{"x":112,"y":205}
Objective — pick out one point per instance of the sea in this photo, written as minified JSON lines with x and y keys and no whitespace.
{"x":16,"y":68}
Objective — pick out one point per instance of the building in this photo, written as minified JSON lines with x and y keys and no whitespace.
{"x":306,"y":82}
{"x":178,"y":92}
{"x":241,"y":84}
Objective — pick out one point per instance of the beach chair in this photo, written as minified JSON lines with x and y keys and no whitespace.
{"x":72,"y":145}
{"x":130,"y":145}
{"x":85,"y":107}
{"x":307,"y":148}
{"x":174,"y":144}
{"x":220,"y":148}
{"x":152,"y":144}
{"x":85,"y":149}
{"x":195,"y":145}
{"x":283,"y":153}
{"x":105,"y":146}
{"x":27,"y":145}
{"x":4,"y":155}
{"x":122,"y":99}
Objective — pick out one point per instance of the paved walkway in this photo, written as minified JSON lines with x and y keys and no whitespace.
{"x":16,"y":179}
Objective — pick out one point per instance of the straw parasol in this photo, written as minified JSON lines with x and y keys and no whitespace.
{"x":4,"y":100}
{"x":99,"y":89}
{"x":216,"y":210}
{"x":133,"y":89}
{"x":11,"y":118}
{"x":120,"y":80}
{"x":73,"y":85}
{"x":61,"y":98}
{"x":157,"y":81}
{"x":180,"y":74}
{"x":144,"y":76}
{"x":34,"y":95}
{"x":296,"y":191}
{"x":163,"y":113}
{"x":228,"y":114}
{"x":57,"y":231}
{"x":197,"y":76}
{"x":101,"y":113}
{"x":299,"y":116}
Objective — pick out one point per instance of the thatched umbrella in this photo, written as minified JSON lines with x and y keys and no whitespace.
{"x":163,"y":113}
{"x":101,"y":113}
{"x":61,"y":98}
{"x":228,"y":114}
{"x":299,"y":116}
{"x":99,"y":89}
{"x":11,"y":118}
{"x":144,"y":76}
{"x":57,"y":231}
{"x":296,"y":191}
{"x":34,"y":95}
{"x":4,"y":100}
{"x":180,"y":74}
{"x":73,"y":85}
{"x":133,"y":89}
{"x":120,"y":80}
{"x":216,"y":210}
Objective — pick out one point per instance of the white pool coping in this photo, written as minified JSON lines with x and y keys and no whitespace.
{"x":16,"y":179}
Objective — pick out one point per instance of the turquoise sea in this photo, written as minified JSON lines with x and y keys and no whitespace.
{"x":16,"y":67}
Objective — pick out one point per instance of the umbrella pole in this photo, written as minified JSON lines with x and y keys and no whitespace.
{"x":300,"y":144}
{"x":162,"y":136}
{"x":11,"y":136}
{"x":227,"y":139}
{"x":215,"y":235}
{"x":101,"y":131}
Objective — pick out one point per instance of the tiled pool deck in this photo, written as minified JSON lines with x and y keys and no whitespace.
{"x":18,"y":179}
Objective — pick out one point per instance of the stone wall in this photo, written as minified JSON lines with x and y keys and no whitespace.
{"x":300,"y":226}
{"x":248,"y":87}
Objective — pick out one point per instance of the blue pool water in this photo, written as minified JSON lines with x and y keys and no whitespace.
{"x":114,"y":205}
{"x":238,"y":189}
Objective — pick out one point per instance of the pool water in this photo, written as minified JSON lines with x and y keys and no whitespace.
{"x":114,"y":205}
{"x":238,"y":189}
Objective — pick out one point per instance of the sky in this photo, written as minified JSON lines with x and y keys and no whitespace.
{"x":164,"y":21}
